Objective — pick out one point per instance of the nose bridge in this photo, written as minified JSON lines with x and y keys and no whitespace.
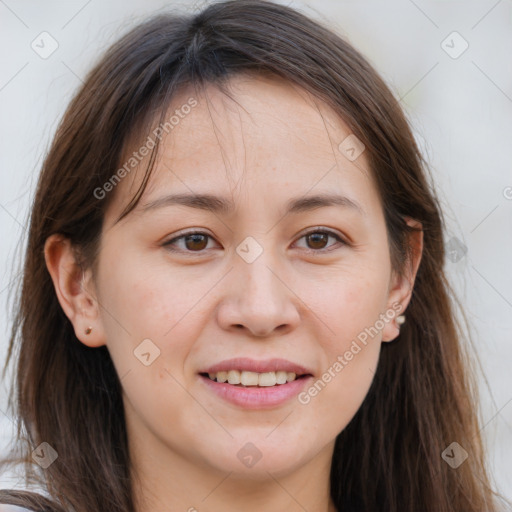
{"x":259,"y":300}
{"x":255,"y":264}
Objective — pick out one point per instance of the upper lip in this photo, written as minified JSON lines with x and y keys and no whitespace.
{"x":258,"y":366}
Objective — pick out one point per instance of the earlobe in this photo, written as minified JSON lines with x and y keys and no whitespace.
{"x":74,"y":291}
{"x":401,"y":290}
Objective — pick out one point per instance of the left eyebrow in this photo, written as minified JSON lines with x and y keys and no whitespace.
{"x":223,"y":205}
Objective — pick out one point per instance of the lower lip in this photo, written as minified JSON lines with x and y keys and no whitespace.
{"x":255,"y":397}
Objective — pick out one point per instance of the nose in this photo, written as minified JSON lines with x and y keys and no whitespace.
{"x":258,"y":300}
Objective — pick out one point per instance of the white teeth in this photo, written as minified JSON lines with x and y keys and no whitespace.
{"x":266,"y":379}
{"x":221,"y":377}
{"x":249,"y":378}
{"x":234,"y":377}
{"x":281,"y":377}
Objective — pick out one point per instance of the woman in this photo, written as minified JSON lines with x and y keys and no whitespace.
{"x":188,"y":337}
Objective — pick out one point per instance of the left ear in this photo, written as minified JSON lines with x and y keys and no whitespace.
{"x":401,"y":287}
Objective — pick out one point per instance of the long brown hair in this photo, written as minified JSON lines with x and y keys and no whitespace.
{"x":423,"y":396}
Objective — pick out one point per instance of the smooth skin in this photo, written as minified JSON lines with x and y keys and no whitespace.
{"x":304,"y":298}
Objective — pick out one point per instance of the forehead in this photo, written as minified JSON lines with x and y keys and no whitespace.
{"x":266,"y":138}
{"x":265,"y":121}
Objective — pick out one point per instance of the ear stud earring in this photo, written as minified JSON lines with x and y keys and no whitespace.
{"x":88,"y":330}
{"x":400,"y":320}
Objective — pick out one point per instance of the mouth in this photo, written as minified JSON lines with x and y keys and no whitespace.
{"x":254,"y":379}
{"x":252,"y":384}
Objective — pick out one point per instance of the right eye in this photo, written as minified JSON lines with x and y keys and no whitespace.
{"x":192,"y":242}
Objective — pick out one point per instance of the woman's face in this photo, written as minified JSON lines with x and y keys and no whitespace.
{"x":273,"y":283}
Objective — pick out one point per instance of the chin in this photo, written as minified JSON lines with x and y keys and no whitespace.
{"x":257,"y":456}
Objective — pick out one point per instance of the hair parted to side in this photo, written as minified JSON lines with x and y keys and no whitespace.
{"x":423,"y":395}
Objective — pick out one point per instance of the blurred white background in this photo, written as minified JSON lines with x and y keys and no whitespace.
{"x":456,"y":90}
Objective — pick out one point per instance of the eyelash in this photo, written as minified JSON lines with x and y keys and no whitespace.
{"x":328,"y":232}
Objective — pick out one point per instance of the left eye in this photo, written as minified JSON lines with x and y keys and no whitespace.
{"x":197,"y":241}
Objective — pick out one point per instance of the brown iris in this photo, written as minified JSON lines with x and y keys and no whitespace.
{"x":318,"y":238}
{"x":196,"y":241}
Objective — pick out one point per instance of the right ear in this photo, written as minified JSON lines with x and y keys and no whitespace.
{"x":75,"y":290}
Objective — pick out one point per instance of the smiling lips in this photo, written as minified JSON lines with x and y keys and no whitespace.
{"x":254,"y":384}
{"x":251,"y":372}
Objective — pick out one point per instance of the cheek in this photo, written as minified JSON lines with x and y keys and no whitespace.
{"x":336,"y":396}
{"x":141,"y":301}
{"x":350,"y":308}
{"x":151,"y":323}
{"x":348,"y":300}
{"x":349,"y":359}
